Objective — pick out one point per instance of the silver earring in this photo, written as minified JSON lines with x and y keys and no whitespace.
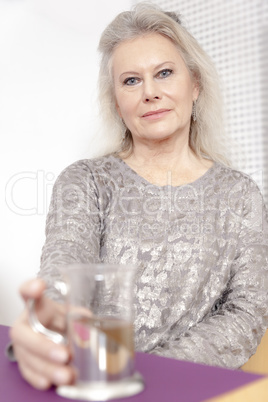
{"x":194,"y":111}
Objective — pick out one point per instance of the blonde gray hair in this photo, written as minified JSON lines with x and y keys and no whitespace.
{"x":206,"y":133}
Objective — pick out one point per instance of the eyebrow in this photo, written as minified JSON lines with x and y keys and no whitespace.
{"x":155,"y":68}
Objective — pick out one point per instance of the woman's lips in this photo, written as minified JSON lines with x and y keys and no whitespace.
{"x":155,"y":114}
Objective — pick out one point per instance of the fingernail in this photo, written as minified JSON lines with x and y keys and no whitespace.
{"x":61,"y":377}
{"x":43,"y":383}
{"x":59,"y":355}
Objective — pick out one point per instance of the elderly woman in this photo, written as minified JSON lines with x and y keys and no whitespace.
{"x":164,"y":200}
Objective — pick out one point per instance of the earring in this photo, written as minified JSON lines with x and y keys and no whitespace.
{"x":194,"y":110}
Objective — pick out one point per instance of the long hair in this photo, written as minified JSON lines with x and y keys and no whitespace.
{"x":206,"y":137}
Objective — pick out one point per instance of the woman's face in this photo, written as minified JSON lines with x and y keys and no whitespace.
{"x":154,"y":91}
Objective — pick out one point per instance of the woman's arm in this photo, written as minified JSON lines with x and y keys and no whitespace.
{"x":74,"y":223}
{"x":72,"y":235}
{"x":231,"y":332}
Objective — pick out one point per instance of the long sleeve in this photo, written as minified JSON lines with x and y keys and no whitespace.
{"x":201,"y":291}
{"x":73,"y":227}
{"x":230,"y":333}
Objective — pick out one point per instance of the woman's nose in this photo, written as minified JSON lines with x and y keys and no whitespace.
{"x":151,"y":91}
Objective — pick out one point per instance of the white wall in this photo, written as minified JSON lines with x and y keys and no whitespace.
{"x":48,"y":119}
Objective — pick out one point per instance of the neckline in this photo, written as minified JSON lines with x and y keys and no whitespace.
{"x":143,"y":181}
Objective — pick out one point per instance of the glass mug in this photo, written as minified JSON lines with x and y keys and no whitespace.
{"x":99,"y":330}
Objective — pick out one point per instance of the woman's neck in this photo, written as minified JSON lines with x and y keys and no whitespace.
{"x":166,"y":165}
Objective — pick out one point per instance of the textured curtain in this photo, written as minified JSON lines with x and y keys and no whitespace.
{"x":235,"y":35}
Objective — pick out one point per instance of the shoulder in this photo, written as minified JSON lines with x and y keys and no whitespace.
{"x":234,"y":180}
{"x":91,"y":165}
{"x":88,"y":169}
{"x":242,"y":193}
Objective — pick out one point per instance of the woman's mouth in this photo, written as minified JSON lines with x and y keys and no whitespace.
{"x":155,"y":114}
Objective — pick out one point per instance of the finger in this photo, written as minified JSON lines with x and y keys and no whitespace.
{"x":41,"y":362}
{"x":41,"y":373}
{"x":24,"y":337}
{"x":50,"y":313}
{"x":32,"y":289}
{"x":34,"y":378}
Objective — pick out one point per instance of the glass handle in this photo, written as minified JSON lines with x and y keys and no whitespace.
{"x":36,"y":324}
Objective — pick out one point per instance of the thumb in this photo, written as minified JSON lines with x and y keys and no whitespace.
{"x":32,"y":289}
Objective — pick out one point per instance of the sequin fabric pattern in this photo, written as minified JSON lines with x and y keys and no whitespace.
{"x":201,"y":290}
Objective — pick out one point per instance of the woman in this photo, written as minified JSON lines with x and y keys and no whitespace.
{"x":164,"y":200}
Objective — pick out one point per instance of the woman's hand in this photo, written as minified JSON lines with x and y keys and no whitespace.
{"x":41,"y":362}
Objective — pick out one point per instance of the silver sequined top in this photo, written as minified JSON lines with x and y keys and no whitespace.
{"x":201,"y":292}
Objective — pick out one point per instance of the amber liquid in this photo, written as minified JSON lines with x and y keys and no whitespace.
{"x":103,"y":349}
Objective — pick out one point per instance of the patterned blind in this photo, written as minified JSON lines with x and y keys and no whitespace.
{"x":235,"y":35}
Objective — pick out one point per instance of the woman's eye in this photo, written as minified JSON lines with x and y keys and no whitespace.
{"x":165,"y":73}
{"x":131,"y":81}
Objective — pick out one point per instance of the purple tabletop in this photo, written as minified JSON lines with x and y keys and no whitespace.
{"x":166,"y":380}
